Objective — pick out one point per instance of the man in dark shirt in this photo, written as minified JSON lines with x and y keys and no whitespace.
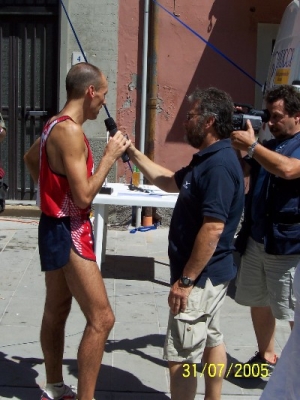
{"x":269,"y":240}
{"x":204,"y":221}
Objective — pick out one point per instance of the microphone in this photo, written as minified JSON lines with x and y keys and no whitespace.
{"x":112,"y":128}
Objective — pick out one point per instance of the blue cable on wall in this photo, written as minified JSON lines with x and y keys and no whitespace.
{"x":207,"y":43}
{"x":79,"y":44}
{"x":183,"y":24}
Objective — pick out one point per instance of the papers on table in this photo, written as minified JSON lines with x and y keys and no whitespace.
{"x":151,"y":191}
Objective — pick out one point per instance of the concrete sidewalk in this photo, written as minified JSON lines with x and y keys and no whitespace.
{"x":136,"y":274}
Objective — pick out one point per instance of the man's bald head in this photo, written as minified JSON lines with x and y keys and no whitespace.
{"x":80,"y":77}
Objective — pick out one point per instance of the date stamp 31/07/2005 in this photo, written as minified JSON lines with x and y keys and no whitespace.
{"x":236,"y":370}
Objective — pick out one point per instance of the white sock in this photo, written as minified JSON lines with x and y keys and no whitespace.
{"x":55,"y":389}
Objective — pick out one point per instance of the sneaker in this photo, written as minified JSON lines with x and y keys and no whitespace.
{"x":67,"y":395}
{"x":256,"y":367}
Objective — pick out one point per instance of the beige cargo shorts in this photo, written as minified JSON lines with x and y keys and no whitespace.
{"x":189,"y":332}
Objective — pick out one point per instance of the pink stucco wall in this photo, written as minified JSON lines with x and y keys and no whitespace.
{"x":184,"y":61}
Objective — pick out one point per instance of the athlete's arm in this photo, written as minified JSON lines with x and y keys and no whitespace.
{"x":67,"y":142}
{"x":32,"y":160}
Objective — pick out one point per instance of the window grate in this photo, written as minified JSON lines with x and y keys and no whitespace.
{"x":14,"y":3}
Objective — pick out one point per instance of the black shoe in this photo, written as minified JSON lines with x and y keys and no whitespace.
{"x":256,"y":367}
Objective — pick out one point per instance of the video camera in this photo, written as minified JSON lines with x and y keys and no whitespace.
{"x":256,"y":117}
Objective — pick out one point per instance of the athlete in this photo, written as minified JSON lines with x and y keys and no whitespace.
{"x":61,"y":162}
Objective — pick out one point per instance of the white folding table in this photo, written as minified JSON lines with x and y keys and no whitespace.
{"x":122,"y":196}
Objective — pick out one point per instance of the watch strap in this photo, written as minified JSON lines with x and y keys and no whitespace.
{"x":186,"y":281}
{"x":251,"y":148}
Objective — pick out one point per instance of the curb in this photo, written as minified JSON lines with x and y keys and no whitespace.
{"x":17,"y":210}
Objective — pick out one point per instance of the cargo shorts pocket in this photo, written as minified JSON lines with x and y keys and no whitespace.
{"x":191,"y":328}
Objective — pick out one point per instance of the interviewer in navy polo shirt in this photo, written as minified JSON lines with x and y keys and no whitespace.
{"x":204,"y":221}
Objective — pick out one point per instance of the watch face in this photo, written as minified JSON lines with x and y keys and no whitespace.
{"x":185,"y":281}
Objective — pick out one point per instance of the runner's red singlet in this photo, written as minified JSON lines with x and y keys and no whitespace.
{"x":55,"y":197}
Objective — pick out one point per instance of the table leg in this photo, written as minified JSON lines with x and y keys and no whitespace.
{"x":104,"y":240}
{"x":138,"y":216}
{"x":100,"y":231}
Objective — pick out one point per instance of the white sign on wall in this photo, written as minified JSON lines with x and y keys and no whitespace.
{"x":77,"y":57}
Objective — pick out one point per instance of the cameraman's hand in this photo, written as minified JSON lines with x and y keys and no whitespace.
{"x":241,"y":140}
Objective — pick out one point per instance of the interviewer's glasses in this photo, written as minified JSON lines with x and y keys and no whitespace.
{"x":190,"y":116}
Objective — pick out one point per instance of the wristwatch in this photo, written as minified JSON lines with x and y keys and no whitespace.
{"x":251,"y":148}
{"x":186,"y":282}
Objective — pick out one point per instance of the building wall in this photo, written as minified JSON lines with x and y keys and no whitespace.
{"x":96,"y":25}
{"x":184,"y":61}
{"x":111,"y":34}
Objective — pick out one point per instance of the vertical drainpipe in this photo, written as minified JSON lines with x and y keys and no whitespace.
{"x":144,"y":82}
{"x":137,"y":211}
{"x":152,"y":80}
{"x":152,"y":95}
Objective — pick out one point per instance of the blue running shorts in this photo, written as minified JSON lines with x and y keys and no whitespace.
{"x":55,"y":242}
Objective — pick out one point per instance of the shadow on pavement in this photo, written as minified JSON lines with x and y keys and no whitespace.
{"x":134,"y":346}
{"x":131,"y":268}
{"x":143,"y":269}
{"x":128,"y":267}
{"x":245,"y":383}
{"x":115,"y":380}
{"x":17,"y":373}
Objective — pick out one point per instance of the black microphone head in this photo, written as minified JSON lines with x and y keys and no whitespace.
{"x":110,"y":124}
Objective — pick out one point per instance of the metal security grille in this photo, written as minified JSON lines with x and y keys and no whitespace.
{"x":28,"y":2}
{"x":28,"y":87}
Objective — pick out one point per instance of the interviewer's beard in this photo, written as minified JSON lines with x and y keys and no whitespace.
{"x":195,"y":136}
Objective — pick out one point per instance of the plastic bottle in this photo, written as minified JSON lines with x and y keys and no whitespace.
{"x":135,"y":176}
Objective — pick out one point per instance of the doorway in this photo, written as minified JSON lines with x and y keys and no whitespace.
{"x":28,"y":83}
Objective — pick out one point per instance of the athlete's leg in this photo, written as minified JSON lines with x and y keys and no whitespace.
{"x":86,"y":285}
{"x":57,"y":308}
